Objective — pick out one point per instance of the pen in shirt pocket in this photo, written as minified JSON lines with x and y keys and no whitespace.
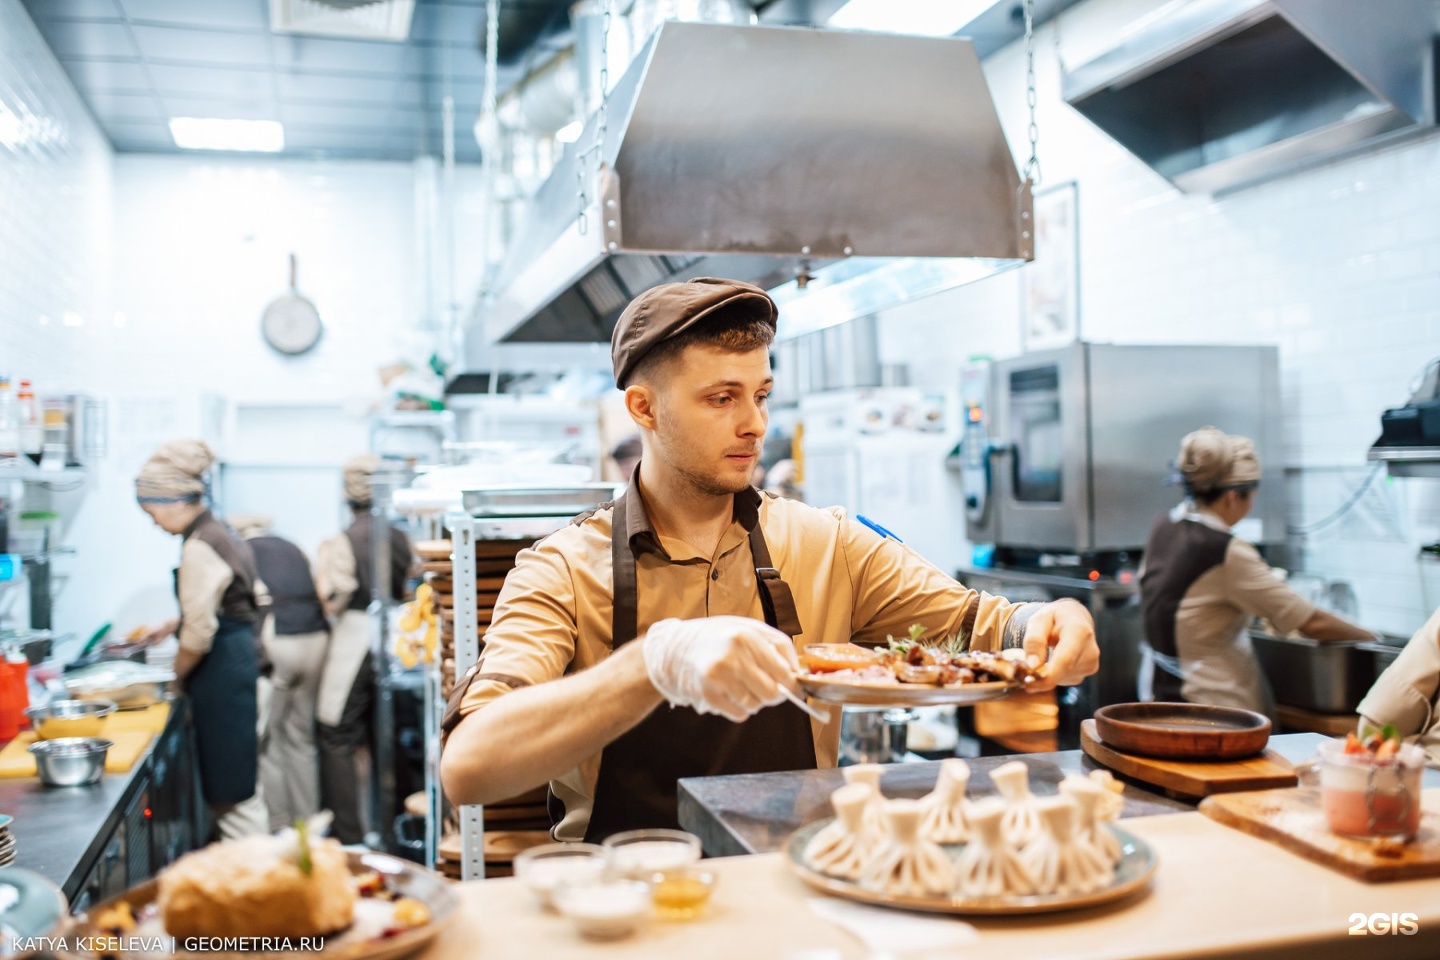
{"x":877,"y":528}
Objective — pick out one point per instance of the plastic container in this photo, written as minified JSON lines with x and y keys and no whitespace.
{"x":29,"y":424}
{"x":17,"y":669}
{"x":1365,"y":798}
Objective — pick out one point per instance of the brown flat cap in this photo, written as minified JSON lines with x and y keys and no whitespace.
{"x":671,"y":308}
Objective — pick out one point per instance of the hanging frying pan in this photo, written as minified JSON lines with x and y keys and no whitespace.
{"x":291,"y":324}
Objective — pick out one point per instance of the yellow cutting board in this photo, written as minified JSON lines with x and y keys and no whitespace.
{"x":130,"y":730}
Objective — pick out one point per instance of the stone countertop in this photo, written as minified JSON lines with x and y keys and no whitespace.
{"x":757,"y":812}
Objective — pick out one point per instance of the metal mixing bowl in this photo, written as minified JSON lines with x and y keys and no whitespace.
{"x":71,"y":761}
{"x":69,"y":718}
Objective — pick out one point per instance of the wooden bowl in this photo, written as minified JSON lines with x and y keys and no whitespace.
{"x":1183,"y":731}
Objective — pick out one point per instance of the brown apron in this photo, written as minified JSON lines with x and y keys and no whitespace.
{"x":639,"y":770}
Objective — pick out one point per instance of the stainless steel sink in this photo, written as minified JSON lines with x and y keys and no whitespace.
{"x":1320,"y":676}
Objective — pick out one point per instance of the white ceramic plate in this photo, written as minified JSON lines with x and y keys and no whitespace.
{"x":881,"y":693}
{"x":1136,"y":866}
{"x":362,"y":940}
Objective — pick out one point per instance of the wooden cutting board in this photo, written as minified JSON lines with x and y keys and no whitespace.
{"x":1192,"y":778}
{"x":1293,"y":819}
{"x":16,"y":761}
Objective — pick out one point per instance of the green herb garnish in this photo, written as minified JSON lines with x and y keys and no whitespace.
{"x":303,"y":830}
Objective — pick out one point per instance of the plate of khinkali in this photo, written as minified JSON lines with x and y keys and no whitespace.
{"x":1012,"y":853}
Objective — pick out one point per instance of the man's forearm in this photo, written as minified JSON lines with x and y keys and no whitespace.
{"x":534,"y":734}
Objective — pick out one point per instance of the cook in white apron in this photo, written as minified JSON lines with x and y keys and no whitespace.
{"x":343,"y":712}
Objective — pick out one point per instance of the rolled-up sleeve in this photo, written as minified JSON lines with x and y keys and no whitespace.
{"x":335,"y":576}
{"x":1253,"y":587}
{"x":201,"y":584}
{"x":894,"y":588}
{"x":533,"y":635}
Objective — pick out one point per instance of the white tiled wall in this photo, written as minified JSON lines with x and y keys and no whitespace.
{"x":1339,"y":266}
{"x":163,"y":265}
{"x":54,"y":205}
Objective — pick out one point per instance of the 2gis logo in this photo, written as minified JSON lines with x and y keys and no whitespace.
{"x":1382,"y":924}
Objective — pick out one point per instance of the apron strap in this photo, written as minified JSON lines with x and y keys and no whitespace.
{"x":775,"y":595}
{"x":625,"y":604}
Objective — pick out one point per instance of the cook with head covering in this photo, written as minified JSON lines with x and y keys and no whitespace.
{"x":215,"y":585}
{"x":1201,"y":586}
{"x":345,"y":580}
{"x":293,"y":639}
{"x":657,"y":637}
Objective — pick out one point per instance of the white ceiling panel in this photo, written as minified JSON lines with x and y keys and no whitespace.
{"x":259,"y":108}
{"x":124,"y":106}
{"x":107,"y":75}
{"x":204,"y":47}
{"x":88,"y":38}
{"x":200,"y":81}
{"x":337,"y":115}
{"x":227,"y":14}
{"x":449,"y":23}
{"x":126,"y":135}
{"x":321,"y":87}
{"x":353,"y":56}
{"x":76,"y":10}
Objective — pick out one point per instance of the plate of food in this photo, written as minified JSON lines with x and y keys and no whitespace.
{"x":271,"y":895}
{"x":911,"y":673}
{"x":1132,"y":872}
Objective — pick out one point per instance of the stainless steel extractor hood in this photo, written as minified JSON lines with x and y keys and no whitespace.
{"x":767,"y":154}
{"x":1218,"y":94}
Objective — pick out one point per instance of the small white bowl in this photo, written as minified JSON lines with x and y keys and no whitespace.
{"x":604,"y":909}
{"x":547,"y":867}
{"x":639,"y":853}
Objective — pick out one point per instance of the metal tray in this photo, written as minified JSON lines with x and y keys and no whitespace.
{"x":883,"y":694}
{"x":521,"y":501}
{"x":1133,"y":872}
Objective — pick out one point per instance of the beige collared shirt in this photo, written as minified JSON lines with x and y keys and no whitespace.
{"x":553,"y":616}
{"x":1212,"y":623}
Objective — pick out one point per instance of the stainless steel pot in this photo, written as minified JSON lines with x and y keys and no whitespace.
{"x":873,"y":734}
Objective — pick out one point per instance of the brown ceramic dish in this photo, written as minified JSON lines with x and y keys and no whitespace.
{"x":1182,"y":731}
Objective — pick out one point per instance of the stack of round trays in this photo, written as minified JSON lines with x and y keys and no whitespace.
{"x":7,"y":841}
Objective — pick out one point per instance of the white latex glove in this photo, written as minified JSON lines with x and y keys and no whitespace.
{"x":733,"y":666}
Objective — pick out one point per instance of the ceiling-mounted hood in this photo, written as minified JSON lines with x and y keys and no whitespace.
{"x":849,"y":160}
{"x":1217,"y":94}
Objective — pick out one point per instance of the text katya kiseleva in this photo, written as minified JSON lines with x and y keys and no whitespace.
{"x":112,"y":945}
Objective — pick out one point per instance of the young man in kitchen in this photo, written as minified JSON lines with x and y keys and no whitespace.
{"x":616,"y":665}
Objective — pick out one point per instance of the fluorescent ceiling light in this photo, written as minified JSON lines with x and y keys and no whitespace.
{"x":570,"y":132}
{"x":928,"y":18}
{"x":261,"y":136}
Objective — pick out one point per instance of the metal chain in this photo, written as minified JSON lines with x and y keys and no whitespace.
{"x":1032,"y":166}
{"x":489,"y":129}
{"x":597,"y":146}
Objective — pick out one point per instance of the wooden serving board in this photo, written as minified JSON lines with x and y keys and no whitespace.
{"x":1192,"y":778}
{"x":1293,"y":819}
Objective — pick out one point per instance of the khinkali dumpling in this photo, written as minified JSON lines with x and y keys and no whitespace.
{"x":944,"y":819}
{"x":875,"y":827}
{"x":1111,"y":801}
{"x":837,"y":850}
{"x":907,"y":864}
{"x":989,"y":866}
{"x":1055,"y":861}
{"x":1088,"y":796}
{"x":1021,"y":823}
